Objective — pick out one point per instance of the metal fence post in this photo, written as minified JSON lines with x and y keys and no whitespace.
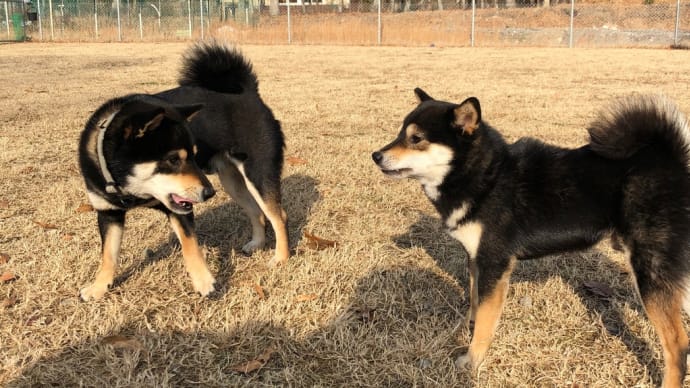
{"x":119,"y":25}
{"x":201,"y":14}
{"x":289,"y":22}
{"x":50,"y":11}
{"x":572,"y":16}
{"x":95,"y":17}
{"x":378,"y":28}
{"x":141,"y":25}
{"x":474,"y":7}
{"x":675,"y":34}
{"x":7,"y":20}
{"x":38,"y":12}
{"x":189,"y":16}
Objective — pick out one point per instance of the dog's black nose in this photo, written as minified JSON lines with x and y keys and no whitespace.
{"x":377,"y":156}
{"x":208,"y":193}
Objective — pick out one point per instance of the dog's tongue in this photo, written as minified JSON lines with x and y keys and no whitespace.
{"x":181,"y":200}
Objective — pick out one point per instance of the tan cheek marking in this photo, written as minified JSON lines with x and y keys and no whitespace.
{"x":399,"y":152}
{"x":182,"y":154}
{"x":187,"y":180}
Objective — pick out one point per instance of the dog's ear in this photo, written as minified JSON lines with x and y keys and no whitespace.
{"x":188,"y":112}
{"x":138,"y":117}
{"x":467,"y":116}
{"x":421,"y":95}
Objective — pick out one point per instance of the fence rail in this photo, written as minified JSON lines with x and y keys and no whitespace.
{"x":555,"y":23}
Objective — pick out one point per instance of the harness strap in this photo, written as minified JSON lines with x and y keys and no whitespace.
{"x":110,"y":185}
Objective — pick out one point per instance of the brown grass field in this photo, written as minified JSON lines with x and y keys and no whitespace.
{"x":383,"y":307}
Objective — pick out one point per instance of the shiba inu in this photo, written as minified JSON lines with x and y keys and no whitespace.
{"x":508,"y":202}
{"x":153,"y":150}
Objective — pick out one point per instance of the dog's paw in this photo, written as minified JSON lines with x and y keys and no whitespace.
{"x":277,"y":261}
{"x":203,"y":282}
{"x":93,"y":292}
{"x":465,"y":362}
{"x":252,"y":246}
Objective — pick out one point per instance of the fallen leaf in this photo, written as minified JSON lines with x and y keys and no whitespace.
{"x":294,"y":160}
{"x":45,"y":225}
{"x":318,"y":243}
{"x":4,"y":258}
{"x":122,"y":342}
{"x":598,"y":288}
{"x":259,"y":291}
{"x":4,"y":204}
{"x":305,"y":298}
{"x":253,"y":365}
{"x":84,"y":207}
{"x":7,"y":277}
{"x":8,"y":302}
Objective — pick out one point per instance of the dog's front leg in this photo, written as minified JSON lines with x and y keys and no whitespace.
{"x":111,"y":225}
{"x":473,"y":293}
{"x":194,"y":260}
{"x":491,"y":283}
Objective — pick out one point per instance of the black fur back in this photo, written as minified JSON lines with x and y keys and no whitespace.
{"x":635,"y":122}
{"x":219,"y":68}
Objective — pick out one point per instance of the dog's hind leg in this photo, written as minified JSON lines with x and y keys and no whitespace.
{"x":267,"y":197}
{"x":111,"y":227}
{"x":492,"y":288}
{"x":233,"y":183}
{"x":195,"y":263}
{"x":663,"y":303}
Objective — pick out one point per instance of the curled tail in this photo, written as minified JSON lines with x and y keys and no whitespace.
{"x":217,"y":67}
{"x":635,"y":122}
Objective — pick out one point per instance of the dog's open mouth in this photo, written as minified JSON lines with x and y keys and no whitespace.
{"x":182,"y":203}
{"x":396,"y":173}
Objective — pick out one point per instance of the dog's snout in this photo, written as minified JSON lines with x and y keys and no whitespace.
{"x":377,"y":156}
{"x":207,"y":193}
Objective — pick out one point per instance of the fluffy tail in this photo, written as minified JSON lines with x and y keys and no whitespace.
{"x":635,"y":122}
{"x":219,"y":68}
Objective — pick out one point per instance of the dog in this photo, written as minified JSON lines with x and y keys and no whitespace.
{"x":508,"y":202}
{"x":145,"y":150}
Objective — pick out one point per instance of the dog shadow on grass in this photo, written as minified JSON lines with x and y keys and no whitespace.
{"x":384,"y":333}
{"x":226,"y":228}
{"x":589,"y":268}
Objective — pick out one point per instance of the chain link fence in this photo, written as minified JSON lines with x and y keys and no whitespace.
{"x":543,"y":23}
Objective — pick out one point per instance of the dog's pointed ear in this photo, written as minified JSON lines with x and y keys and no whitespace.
{"x":188,"y":112}
{"x":421,"y":95}
{"x":467,"y":116}
{"x":138,"y":117}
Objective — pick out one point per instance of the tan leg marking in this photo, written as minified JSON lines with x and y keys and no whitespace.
{"x":276,"y":216}
{"x":233,"y":183}
{"x":487,"y":317}
{"x":665,"y":315}
{"x":106,"y":274}
{"x":194,"y":261}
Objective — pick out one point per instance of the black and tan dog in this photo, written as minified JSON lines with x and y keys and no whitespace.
{"x":150,"y":150}
{"x":508,"y":202}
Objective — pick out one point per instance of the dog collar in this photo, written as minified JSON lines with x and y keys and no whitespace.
{"x":110,"y":185}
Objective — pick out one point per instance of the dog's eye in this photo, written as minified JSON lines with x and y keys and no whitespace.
{"x":414,"y":139}
{"x":175,"y":160}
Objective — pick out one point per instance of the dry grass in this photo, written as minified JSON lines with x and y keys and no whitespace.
{"x":386,"y":301}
